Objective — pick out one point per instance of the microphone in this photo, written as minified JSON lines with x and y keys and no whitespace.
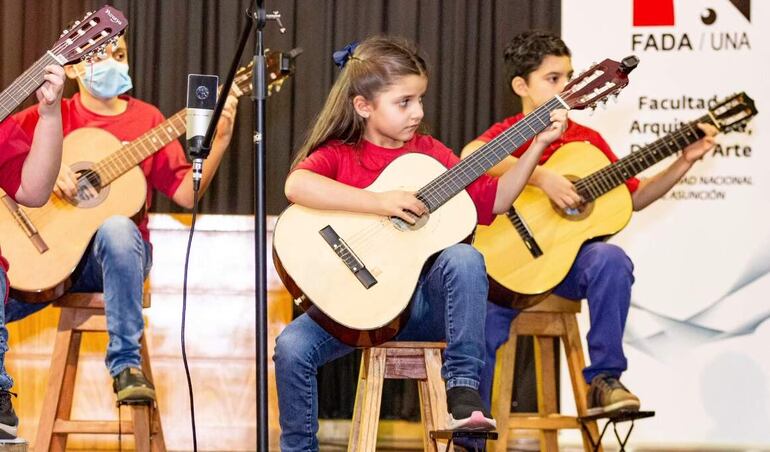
{"x":201,"y":101}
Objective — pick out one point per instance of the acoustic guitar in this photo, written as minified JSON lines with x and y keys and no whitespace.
{"x":355,"y":273}
{"x":84,"y":39}
{"x":44,"y":245}
{"x":530,"y":249}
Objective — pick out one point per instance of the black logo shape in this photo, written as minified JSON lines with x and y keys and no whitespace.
{"x":744,"y":7}
{"x":709,"y":16}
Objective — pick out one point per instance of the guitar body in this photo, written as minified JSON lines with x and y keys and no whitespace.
{"x":66,"y":229}
{"x":511,"y":266}
{"x":330,"y":291}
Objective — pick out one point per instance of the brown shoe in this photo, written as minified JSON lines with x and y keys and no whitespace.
{"x":132,"y":386}
{"x":607,"y":394}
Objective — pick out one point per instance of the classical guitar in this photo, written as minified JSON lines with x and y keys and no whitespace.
{"x":355,"y":273}
{"x":44,"y":245}
{"x":81,"y":41}
{"x":530,"y":249}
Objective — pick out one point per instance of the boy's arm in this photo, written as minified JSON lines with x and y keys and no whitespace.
{"x":512,"y":182}
{"x":557,"y":187}
{"x":650,"y":189}
{"x":42,"y":164}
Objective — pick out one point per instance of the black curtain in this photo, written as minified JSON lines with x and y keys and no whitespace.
{"x":462,"y":40}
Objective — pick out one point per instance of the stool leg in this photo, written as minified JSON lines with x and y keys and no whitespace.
{"x":433,"y":407}
{"x":502,"y":390}
{"x":157,"y":441}
{"x":366,"y":412}
{"x":576,"y":363}
{"x":546,"y":390}
{"x":61,"y":380}
{"x":140,"y":416}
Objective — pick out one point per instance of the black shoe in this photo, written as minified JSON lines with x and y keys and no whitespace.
{"x":9,"y":423}
{"x":608,"y":395}
{"x":466,"y":412}
{"x":131,"y":386}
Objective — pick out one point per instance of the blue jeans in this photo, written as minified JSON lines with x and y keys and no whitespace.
{"x":449,"y":303}
{"x":116,"y":262}
{"x":603,"y":275}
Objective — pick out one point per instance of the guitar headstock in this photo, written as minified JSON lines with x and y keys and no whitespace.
{"x":90,"y":35}
{"x":280,"y":66}
{"x":733,"y":113}
{"x":598,"y":83}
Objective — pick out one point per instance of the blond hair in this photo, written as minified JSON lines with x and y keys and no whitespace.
{"x":377,"y":63}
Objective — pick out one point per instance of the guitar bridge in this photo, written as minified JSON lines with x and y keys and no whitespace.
{"x":25,"y":223}
{"x":524,"y":232}
{"x":348,"y":257}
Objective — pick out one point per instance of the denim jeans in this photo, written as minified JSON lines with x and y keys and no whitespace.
{"x":603,"y":275}
{"x":116,"y":262}
{"x":448,"y":303}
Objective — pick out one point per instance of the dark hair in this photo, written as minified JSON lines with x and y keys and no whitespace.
{"x":526,"y":52}
{"x":376,"y":64}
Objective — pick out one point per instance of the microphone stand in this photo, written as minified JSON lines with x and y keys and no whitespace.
{"x":260,"y":213}
{"x":259,"y":96}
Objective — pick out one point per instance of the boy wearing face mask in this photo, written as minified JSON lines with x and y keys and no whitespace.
{"x":119,"y":257}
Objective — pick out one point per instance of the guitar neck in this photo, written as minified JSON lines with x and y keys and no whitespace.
{"x":24,"y":85}
{"x":616,"y":174}
{"x":450,"y":183}
{"x":130,"y":155}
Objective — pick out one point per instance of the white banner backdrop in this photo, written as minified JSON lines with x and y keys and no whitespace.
{"x":697,"y":340}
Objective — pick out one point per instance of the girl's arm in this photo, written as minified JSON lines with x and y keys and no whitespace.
{"x":312,"y":190}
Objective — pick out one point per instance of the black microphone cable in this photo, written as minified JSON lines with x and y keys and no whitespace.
{"x":184,"y":318}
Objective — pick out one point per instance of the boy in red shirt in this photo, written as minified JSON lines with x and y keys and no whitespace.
{"x":538,"y":67}
{"x":119,"y":257}
{"x":28,"y":168}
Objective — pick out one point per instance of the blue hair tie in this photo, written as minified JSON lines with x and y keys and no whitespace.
{"x":341,"y":57}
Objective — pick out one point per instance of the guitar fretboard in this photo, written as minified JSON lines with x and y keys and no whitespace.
{"x":117,"y":163}
{"x":450,"y":183}
{"x":611,"y":176}
{"x":24,"y":85}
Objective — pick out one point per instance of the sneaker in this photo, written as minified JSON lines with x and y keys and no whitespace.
{"x":9,"y":423}
{"x":466,"y":412}
{"x":131,"y":386}
{"x":607,"y":394}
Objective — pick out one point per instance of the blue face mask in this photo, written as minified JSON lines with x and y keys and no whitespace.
{"x":107,"y":79}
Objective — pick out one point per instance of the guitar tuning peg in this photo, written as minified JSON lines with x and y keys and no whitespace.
{"x":591,"y":110}
{"x":614,"y":97}
{"x":603,"y":104}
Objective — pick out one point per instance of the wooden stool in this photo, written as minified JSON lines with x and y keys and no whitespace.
{"x":552,"y":319}
{"x":14,"y":445}
{"x":402,"y":360}
{"x":84,"y":312}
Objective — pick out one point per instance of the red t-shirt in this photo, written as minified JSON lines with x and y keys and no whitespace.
{"x":574,"y":132}
{"x":164,"y":170}
{"x":360,"y":166}
{"x":14,"y":147}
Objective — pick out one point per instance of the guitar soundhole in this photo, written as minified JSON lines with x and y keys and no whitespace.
{"x":402,"y":225}
{"x":89,"y":184}
{"x":574,"y":213}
